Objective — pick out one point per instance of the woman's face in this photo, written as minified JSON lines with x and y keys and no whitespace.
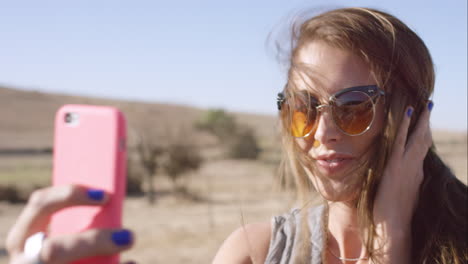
{"x":333,"y":151}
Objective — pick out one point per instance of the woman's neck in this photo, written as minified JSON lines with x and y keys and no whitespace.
{"x":344,"y":235}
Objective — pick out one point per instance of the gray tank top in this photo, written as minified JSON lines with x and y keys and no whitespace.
{"x":286,"y":232}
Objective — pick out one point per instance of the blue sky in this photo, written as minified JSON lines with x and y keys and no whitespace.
{"x":200,"y":53}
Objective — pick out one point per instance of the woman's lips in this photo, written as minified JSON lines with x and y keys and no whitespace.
{"x":333,"y":165}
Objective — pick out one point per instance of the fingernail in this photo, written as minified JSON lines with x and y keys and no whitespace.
{"x":96,"y":195}
{"x":430,"y":105}
{"x":122,"y":237}
{"x":409,"y":112}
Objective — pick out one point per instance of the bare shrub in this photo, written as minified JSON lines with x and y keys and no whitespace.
{"x":173,"y":153}
{"x":239,"y":141}
{"x":148,"y":151}
{"x":9,"y":193}
{"x":243,"y":145}
{"x":134,"y":178}
{"x":218,"y":122}
{"x":17,"y":194}
{"x":182,"y":158}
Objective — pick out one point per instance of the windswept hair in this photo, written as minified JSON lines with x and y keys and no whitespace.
{"x":402,"y":65}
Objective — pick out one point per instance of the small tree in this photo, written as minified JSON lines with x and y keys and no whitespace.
{"x":134,"y":177}
{"x":239,"y":140}
{"x":10,"y":193}
{"x":217,"y":122}
{"x":148,"y":152}
{"x":244,"y":145}
{"x":181,"y":159}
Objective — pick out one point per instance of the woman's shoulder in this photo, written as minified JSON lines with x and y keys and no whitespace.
{"x":247,"y":244}
{"x":266,"y":241}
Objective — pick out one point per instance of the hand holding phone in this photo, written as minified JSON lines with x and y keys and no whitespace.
{"x":90,"y":151}
{"x":26,"y":246}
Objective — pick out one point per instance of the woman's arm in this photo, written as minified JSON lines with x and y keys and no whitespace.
{"x":246,"y":245}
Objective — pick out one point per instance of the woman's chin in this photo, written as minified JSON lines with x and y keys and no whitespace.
{"x":335,"y":190}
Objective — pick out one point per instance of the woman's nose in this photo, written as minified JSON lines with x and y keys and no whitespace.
{"x":327,"y":132}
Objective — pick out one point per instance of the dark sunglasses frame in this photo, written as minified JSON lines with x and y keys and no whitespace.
{"x":373,"y":91}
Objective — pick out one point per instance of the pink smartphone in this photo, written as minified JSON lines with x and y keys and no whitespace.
{"x":90,"y":150}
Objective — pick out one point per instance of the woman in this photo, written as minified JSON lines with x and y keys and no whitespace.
{"x":355,"y":117}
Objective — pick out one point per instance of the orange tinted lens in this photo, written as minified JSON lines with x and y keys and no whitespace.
{"x":302,"y":121}
{"x":353,"y":112}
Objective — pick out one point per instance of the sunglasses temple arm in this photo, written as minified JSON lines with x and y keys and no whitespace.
{"x":280,"y":100}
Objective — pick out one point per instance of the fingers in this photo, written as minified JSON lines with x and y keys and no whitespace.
{"x":421,"y":139}
{"x":402,"y":134}
{"x":42,"y":203}
{"x":65,"y":249}
{"x":52,"y":199}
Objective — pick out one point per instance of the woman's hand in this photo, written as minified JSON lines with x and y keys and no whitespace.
{"x":398,"y":191}
{"x":62,"y":249}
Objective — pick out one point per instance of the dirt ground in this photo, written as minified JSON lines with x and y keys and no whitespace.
{"x":178,"y":230}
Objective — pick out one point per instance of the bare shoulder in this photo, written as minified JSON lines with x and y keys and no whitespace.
{"x":247,"y":244}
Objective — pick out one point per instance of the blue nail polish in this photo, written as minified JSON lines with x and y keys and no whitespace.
{"x":96,"y":195}
{"x":430,"y":105}
{"x":409,"y":112}
{"x":122,"y":237}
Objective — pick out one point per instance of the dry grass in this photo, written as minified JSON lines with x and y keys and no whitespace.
{"x":174,"y":230}
{"x":182,"y":231}
{"x":194,"y":231}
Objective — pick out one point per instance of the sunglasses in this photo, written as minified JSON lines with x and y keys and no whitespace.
{"x":352,"y":109}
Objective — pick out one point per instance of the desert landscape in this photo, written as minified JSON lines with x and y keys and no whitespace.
{"x":226,"y":192}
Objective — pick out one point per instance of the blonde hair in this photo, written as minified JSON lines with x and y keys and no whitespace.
{"x":402,"y":66}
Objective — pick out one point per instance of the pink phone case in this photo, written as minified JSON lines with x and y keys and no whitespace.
{"x":90,"y":150}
